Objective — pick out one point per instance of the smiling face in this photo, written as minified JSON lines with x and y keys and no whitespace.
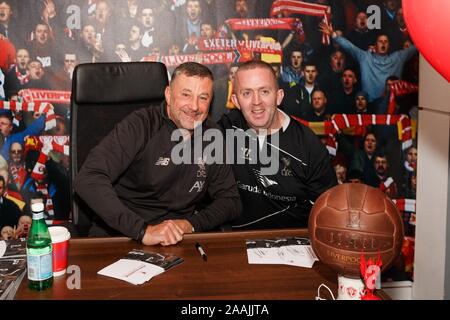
{"x":188,"y":99}
{"x":257,"y":95}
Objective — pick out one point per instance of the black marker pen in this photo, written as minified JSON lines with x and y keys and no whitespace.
{"x":202,"y":252}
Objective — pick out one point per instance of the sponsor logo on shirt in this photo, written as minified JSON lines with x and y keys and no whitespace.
{"x":286,"y":171}
{"x":201,"y":172}
{"x":162,"y":161}
{"x":266,"y":182}
{"x":198,"y":185}
{"x":272,"y":196}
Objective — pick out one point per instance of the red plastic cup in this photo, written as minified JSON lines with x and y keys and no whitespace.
{"x":60,"y":244}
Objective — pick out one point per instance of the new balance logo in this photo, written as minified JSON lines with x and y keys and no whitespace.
{"x":162,"y":161}
{"x":266,"y":182}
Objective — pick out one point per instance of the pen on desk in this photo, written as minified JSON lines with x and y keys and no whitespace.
{"x":202,"y":252}
{"x":134,"y":270}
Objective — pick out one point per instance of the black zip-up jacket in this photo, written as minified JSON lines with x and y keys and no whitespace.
{"x":283,"y":199}
{"x":130,"y":180}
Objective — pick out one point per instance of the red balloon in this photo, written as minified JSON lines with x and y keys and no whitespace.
{"x":428,"y":24}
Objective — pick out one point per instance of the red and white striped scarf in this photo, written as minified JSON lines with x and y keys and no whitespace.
{"x":41,"y":107}
{"x":218,"y":44}
{"x":41,"y":95}
{"x":17,"y":174}
{"x":403,"y":122}
{"x":300,"y":7}
{"x":23,"y":78}
{"x":261,"y":24}
{"x":408,"y":205}
{"x":405,"y":131}
{"x":38,"y":173}
{"x":400,"y":88}
{"x":325,"y":128}
{"x":331,"y":144}
{"x":46,"y":144}
{"x":202,"y":57}
{"x":410,"y":167}
{"x":342,"y":121}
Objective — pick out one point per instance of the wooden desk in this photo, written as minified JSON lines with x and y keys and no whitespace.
{"x":226,"y":275}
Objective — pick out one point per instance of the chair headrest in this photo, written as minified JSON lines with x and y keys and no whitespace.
{"x":119,"y":82}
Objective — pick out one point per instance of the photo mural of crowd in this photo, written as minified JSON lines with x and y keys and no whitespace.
{"x":348,"y":68}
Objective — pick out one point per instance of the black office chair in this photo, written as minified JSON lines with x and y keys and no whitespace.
{"x":102,"y":95}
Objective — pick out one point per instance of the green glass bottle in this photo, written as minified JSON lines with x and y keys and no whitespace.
{"x":39,"y":250}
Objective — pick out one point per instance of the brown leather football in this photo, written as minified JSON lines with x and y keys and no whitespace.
{"x":353,"y":218}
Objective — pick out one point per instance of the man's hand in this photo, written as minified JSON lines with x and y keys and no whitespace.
{"x":49,"y":10}
{"x":326,"y":28}
{"x":184,"y":225}
{"x":123,"y":55}
{"x":166,"y":233}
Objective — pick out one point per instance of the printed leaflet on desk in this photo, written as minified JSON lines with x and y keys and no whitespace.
{"x":14,"y":248}
{"x":293,"y":251}
{"x":5,"y":287}
{"x":13,"y":264}
{"x":138,"y":266}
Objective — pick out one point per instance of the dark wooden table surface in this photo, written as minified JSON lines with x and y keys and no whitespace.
{"x":226,"y":275}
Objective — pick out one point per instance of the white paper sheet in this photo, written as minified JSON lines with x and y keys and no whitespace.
{"x":132,"y":271}
{"x":281,"y":251}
